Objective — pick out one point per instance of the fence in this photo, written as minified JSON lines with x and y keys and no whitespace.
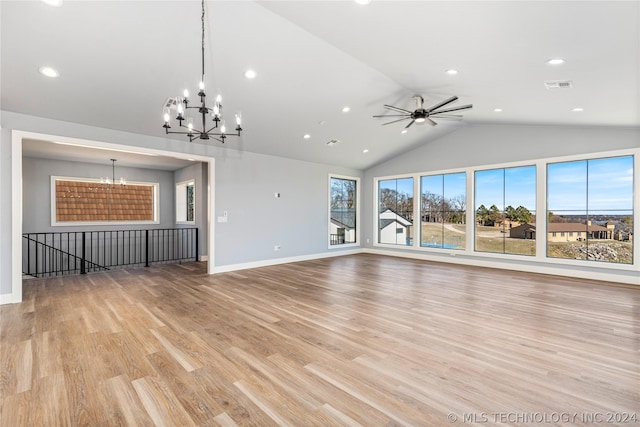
{"x":80,"y":252}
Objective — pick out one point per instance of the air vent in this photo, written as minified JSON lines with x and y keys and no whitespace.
{"x":558,"y":84}
{"x":170,"y":103}
{"x":332,"y":142}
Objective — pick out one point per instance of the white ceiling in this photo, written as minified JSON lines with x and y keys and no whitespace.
{"x":120,"y":60}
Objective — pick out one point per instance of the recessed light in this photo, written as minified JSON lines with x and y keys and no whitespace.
{"x":306,"y":136}
{"x":404,"y":131}
{"x":452,"y":72}
{"x":56,"y":3}
{"x":555,"y":61}
{"x":48,"y":71}
{"x":363,"y":1}
{"x":365,"y":151}
{"x":346,"y":109}
{"x":250,"y":74}
{"x":578,"y":110}
{"x":497,"y":110}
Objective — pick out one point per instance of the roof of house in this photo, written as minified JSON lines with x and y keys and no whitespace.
{"x":344,"y":217}
{"x":385,"y":222}
{"x":554,"y":227}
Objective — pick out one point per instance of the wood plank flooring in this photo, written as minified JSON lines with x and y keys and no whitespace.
{"x":360,"y":340}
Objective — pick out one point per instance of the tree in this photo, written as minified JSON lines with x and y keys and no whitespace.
{"x":482,"y":215}
{"x":343,"y":192}
{"x":523,"y":214}
{"x":400,"y":203}
{"x":494,"y":215}
{"x":431,"y":207}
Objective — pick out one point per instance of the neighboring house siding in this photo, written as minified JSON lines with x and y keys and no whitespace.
{"x":566,"y":231}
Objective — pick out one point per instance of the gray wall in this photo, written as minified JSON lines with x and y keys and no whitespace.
{"x":199,"y":173}
{"x":36,"y":192}
{"x":245,"y":184}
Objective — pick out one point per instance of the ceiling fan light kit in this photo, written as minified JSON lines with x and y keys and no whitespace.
{"x":424,"y":115}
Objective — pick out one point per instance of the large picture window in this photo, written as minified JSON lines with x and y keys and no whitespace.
{"x":343,"y":210}
{"x":395,"y":211}
{"x":590,"y":210}
{"x":505,"y":201}
{"x":443,"y":203}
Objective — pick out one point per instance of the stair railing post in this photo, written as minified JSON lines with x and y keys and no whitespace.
{"x":83,"y":269}
{"x":146,"y":248}
{"x":197,"y":247}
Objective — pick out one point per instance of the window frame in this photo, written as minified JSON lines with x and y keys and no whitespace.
{"x":376,"y":214}
{"x":540,"y":258}
{"x":195,"y":202}
{"x":358,"y":233}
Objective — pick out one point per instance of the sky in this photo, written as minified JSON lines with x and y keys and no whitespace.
{"x":597,"y":186}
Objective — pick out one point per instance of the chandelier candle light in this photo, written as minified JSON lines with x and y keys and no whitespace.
{"x":108,"y":181}
{"x":182,"y":106}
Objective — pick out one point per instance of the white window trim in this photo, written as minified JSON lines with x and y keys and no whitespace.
{"x":541,"y":208}
{"x":55,"y":223}
{"x":195,"y":202}
{"x":416,"y":210}
{"x":358,"y":242}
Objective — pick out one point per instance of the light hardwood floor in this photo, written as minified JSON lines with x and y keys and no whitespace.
{"x":356,"y":340}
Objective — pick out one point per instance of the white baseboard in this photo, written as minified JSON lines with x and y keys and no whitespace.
{"x":8,"y":299}
{"x":586,"y":273}
{"x":204,"y":257}
{"x":277,"y":261}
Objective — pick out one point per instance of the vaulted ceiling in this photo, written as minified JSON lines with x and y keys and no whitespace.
{"x":120,"y":60}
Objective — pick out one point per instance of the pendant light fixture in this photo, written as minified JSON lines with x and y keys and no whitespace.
{"x":216,"y":129}
{"x":108,"y":181}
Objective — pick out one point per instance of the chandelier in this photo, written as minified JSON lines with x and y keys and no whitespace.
{"x":108,"y":181}
{"x":216,"y":129}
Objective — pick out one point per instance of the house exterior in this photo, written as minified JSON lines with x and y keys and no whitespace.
{"x":523,"y":231}
{"x":394,"y":228}
{"x":566,"y":231}
{"x":342,"y":226}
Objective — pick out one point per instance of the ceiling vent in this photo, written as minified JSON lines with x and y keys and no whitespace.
{"x":558,"y":84}
{"x":170,"y":103}
{"x":332,"y":142}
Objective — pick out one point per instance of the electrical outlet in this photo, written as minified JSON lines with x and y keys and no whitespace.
{"x":276,"y":248}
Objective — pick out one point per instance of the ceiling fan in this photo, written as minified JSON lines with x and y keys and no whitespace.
{"x":422,"y":115}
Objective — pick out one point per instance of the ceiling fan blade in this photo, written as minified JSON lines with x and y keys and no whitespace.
{"x":442,"y":104}
{"x":446,"y":116}
{"x":464,"y":107}
{"x":401,"y":110}
{"x":407,"y":126}
{"x":431,"y":122}
{"x":396,"y":121}
{"x":393,"y":115}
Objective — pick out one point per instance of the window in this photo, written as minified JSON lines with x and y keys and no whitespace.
{"x":505,"y":210}
{"x":395,"y":211}
{"x":88,"y":201}
{"x":594,"y":197}
{"x":343,"y":210}
{"x":185,"y":202}
{"x":443,"y":204}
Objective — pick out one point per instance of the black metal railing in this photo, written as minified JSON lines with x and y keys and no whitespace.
{"x":80,"y":252}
